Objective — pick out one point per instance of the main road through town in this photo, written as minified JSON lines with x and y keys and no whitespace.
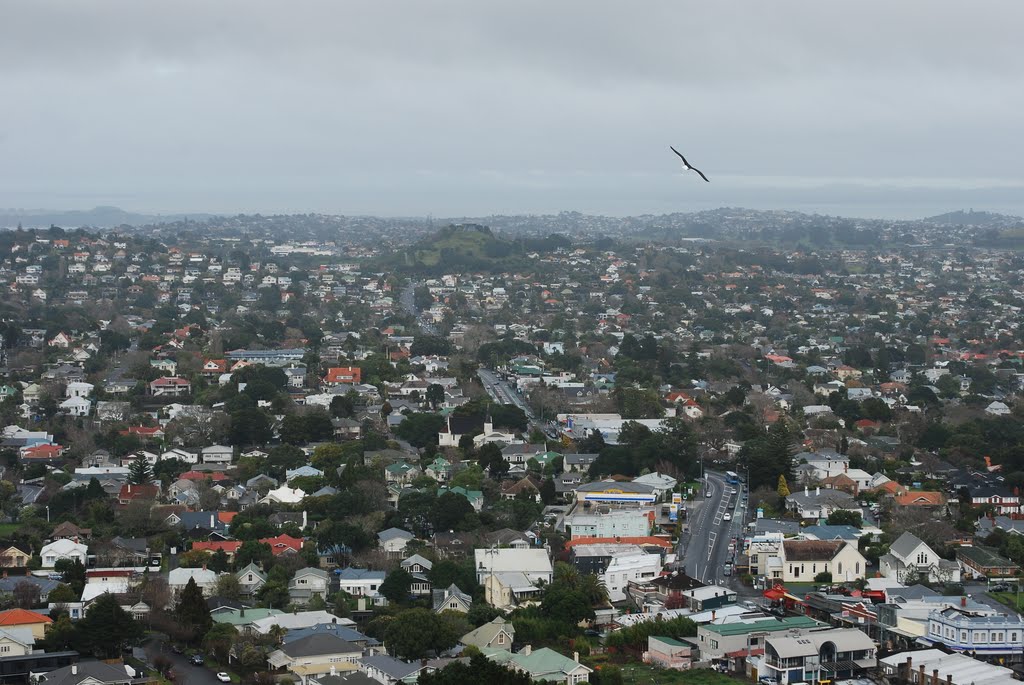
{"x":704,"y":546}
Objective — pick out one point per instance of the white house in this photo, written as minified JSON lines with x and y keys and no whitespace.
{"x":218,"y":454}
{"x":78,"y":389}
{"x":63,"y":549}
{"x":394,"y":540}
{"x":512,"y":576}
{"x":76,"y":406}
{"x":284,"y":495}
{"x":909,"y":558}
{"x":360,"y":582}
{"x":178,"y":578}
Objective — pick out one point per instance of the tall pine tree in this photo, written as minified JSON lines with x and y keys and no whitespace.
{"x":192,"y":612}
{"x":139,"y":473}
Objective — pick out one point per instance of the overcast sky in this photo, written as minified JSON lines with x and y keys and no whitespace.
{"x":458,"y":108}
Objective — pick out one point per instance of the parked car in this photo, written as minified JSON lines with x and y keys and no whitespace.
{"x":727,"y":517}
{"x":999,"y":587}
{"x":197,"y":660}
{"x":223,"y":677}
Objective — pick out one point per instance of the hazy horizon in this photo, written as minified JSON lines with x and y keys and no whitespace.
{"x":874,"y":110}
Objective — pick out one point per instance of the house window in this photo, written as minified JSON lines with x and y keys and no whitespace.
{"x":922,"y":558}
{"x":840,"y":568}
{"x":501,"y":638}
{"x":453,"y":605}
{"x":5,"y":649}
{"x":963,"y":636}
{"x":857,"y":567}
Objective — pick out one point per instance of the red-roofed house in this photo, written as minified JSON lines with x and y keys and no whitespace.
{"x":131,"y":493}
{"x":145,"y":432}
{"x":22,"y":618}
{"x":228,"y":546}
{"x":342,"y":375}
{"x":284,"y":544}
{"x":172,"y":386}
{"x":199,"y":476}
{"x":920,"y":499}
{"x":39,"y":453}
{"x":215,"y":367}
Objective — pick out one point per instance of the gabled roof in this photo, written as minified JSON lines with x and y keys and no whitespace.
{"x":811,"y":550}
{"x":319,"y":644}
{"x":905,"y":545}
{"x":21,"y":617}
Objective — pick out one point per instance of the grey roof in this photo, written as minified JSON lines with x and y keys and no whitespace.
{"x":395,"y":533}
{"x":346,"y":633}
{"x":441,"y":596}
{"x":905,"y":544}
{"x":347,"y":678}
{"x":392,"y":667}
{"x":104,"y":673}
{"x":317,"y":644}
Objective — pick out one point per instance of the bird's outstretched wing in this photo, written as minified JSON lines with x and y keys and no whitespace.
{"x":680,"y":155}
{"x":701,"y":173}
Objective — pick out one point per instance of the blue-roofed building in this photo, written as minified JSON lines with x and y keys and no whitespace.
{"x":361,"y":582}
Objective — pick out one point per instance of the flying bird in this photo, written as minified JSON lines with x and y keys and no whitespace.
{"x":686,"y":165}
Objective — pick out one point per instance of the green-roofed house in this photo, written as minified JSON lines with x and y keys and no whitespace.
{"x":440,"y":470}
{"x":544,"y":664}
{"x":718,"y":639}
{"x":401,"y":472}
{"x":242,"y":618}
{"x":668,"y":652}
{"x":475,"y":497}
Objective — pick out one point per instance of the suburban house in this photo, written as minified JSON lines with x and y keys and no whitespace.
{"x":910,"y":558}
{"x":361,"y":582}
{"x":29,"y":621}
{"x":251,"y":579}
{"x":12,"y":557}
{"x":545,"y":665}
{"x":497,"y":634}
{"x":53,"y":552}
{"x":418,"y":567}
{"x":178,"y":578}
{"x":991,"y":635}
{"x":308,"y":583}
{"x":451,"y":599}
{"x":315,"y":655}
{"x":512,"y":576}
{"x":394,"y":540}
{"x":820,"y":503}
{"x":170,"y":386}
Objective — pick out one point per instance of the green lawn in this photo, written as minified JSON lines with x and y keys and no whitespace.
{"x":8,"y":529}
{"x":1010,"y":599}
{"x":643,"y":674}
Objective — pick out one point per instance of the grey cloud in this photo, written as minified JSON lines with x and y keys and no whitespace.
{"x":405,"y":107}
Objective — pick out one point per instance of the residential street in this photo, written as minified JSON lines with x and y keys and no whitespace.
{"x":187,"y":674}
{"x":704,"y":548}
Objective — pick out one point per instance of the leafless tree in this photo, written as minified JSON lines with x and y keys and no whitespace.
{"x":26,"y":595}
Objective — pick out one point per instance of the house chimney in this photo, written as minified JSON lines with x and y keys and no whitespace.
{"x":920,"y":675}
{"x":212,"y":516}
{"x":305,"y":519}
{"x":935,"y":676}
{"x":817,"y":491}
{"x":909,"y":668}
{"x":576,"y":657}
{"x":963,"y":601}
{"x":949,"y":679}
{"x":807,"y":492}
{"x":713,"y":614}
{"x":527,"y":650}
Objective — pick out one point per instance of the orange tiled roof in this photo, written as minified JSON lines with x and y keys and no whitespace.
{"x":20,"y":617}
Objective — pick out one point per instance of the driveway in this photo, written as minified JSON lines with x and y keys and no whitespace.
{"x":186,"y":672}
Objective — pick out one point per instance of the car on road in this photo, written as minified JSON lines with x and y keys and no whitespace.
{"x":197,"y":660}
{"x":727,"y":517}
{"x":999,"y":587}
{"x":223,"y":677}
{"x":177,"y":649}
{"x":707,"y":493}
